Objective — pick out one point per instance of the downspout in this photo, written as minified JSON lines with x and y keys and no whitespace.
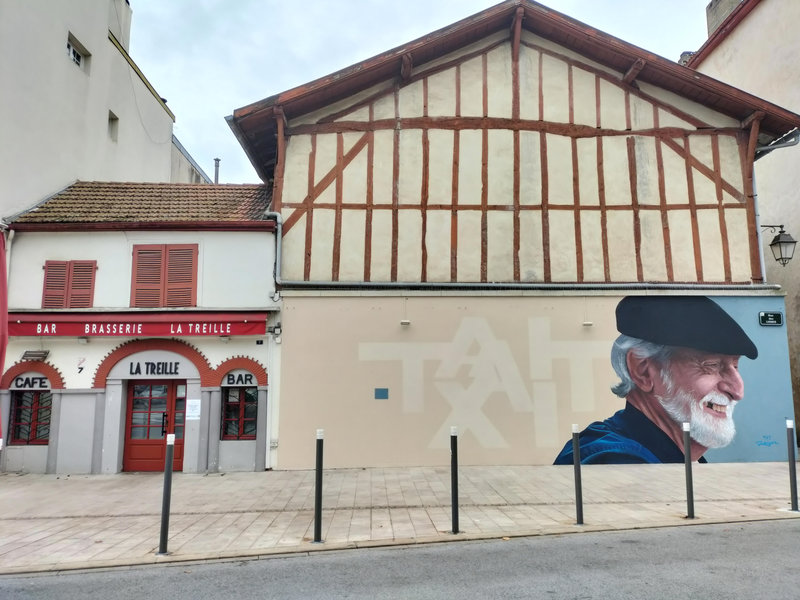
{"x":276,"y":271}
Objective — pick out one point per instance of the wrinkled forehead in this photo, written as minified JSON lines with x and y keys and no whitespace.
{"x":692,"y":355}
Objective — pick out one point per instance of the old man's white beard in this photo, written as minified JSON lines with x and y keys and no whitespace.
{"x":707,"y":430}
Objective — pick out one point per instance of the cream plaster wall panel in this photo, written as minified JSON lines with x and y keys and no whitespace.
{"x":642,"y":113}
{"x":382,"y":167}
{"x":409,"y":246}
{"x":682,"y":244}
{"x":530,"y":170}
{"x":384,"y":107}
{"x":528,"y":83}
{"x":668,"y":119}
{"x":500,"y":246}
{"x":325,"y":155}
{"x":584,"y":97}
{"x":616,"y":173}
{"x":531,"y":250}
{"x":351,"y":262}
{"x":440,"y":180}
{"x":470,"y":164}
{"x":472,"y":88}
{"x":410,"y":100}
{"x":711,"y":245}
{"x":322,"y":245}
{"x":612,"y":106}
{"x":705,"y":114}
{"x":437,"y":242}
{"x":567,"y":53}
{"x":738,"y":246}
{"x":341,"y":106}
{"x":499,"y":82}
{"x":469,"y":246}
{"x":381,"y":254}
{"x":654,"y":266}
{"x":555,"y":89}
{"x":503,"y":370}
{"x":354,"y":177}
{"x":730,"y":164}
{"x":621,"y":247}
{"x":327,"y":195}
{"x":592,"y":246}
{"x":675,"y":183}
{"x":559,"y":170}
{"x":501,"y":168}
{"x":409,"y":184}
{"x":441,"y":94}
{"x":358,"y":114}
{"x":588,"y":181}
{"x":563,"y":251}
{"x":646,"y":171}
{"x":294,"y":250}
{"x":705,"y":189}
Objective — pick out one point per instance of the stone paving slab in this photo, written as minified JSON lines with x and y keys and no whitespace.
{"x":56,"y":522}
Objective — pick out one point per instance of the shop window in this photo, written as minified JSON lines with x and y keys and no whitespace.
{"x":68,"y":283}
{"x":239,"y":409}
{"x":30,"y":417}
{"x":164,"y":275}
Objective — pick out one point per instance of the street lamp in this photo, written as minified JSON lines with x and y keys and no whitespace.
{"x":782,"y":245}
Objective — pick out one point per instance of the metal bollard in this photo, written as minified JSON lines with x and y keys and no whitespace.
{"x":318,"y":489}
{"x":687,"y":461}
{"x":790,"y":443}
{"x":576,"y":460}
{"x":454,"y":475}
{"x":165,"y":501}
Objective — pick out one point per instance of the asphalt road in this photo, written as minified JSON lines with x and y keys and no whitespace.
{"x":744,"y":560}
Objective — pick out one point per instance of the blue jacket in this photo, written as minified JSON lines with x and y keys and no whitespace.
{"x":626,"y":437}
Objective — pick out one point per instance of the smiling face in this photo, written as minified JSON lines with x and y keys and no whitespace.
{"x":702,"y":389}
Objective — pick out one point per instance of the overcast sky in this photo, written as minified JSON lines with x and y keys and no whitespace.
{"x":210,"y":57}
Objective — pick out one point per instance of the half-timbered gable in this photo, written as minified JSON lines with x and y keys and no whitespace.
{"x":517,"y":159}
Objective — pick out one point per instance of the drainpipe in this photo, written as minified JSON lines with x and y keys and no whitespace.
{"x":276,"y":216}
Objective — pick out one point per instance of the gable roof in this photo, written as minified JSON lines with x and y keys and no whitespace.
{"x":112,"y":205}
{"x":255,"y":124}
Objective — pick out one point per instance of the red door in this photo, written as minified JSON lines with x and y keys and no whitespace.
{"x":155,"y":408}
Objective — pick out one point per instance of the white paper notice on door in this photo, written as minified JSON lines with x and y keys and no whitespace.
{"x":192,"y":409}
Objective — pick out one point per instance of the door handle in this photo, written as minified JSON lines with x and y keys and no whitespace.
{"x":163,"y":423}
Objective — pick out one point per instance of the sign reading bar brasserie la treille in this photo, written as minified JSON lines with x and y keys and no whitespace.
{"x":155,"y":325}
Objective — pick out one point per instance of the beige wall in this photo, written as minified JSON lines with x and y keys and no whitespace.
{"x":512,"y":373}
{"x":762,"y":56}
{"x":573,"y":192}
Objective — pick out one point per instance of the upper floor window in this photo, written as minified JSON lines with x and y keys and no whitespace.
{"x":78,"y":53}
{"x":164,"y":275}
{"x":68,"y":283}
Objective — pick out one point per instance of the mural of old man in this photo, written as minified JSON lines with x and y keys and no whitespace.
{"x":678,"y":361}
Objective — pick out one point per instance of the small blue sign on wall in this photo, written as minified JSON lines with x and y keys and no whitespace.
{"x":381,"y":393}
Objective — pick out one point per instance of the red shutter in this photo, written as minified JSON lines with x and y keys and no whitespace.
{"x":180,"y":287}
{"x":80,"y":293}
{"x":56,"y":274}
{"x":146,"y":284}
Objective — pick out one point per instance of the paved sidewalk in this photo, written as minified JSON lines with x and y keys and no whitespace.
{"x":55,"y":522}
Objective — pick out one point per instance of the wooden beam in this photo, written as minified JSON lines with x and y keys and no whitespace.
{"x":634,"y":71}
{"x":755,"y":116}
{"x":516,"y":26}
{"x":406,"y":66}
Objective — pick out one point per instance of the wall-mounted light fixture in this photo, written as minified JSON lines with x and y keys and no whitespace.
{"x":405,"y":322}
{"x":83,"y":340}
{"x":276,"y":329}
{"x":782,"y":245}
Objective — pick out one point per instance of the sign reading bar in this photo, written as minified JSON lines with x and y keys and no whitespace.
{"x":155,"y":325}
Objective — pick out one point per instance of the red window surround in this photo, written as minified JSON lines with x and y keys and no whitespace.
{"x":239,"y":411}
{"x":30,"y":417}
{"x":68,"y":283}
{"x":164,"y":275}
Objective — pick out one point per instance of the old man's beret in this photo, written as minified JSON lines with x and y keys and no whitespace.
{"x":687,"y":321}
